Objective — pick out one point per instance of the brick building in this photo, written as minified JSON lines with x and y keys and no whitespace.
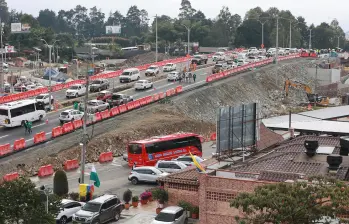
{"x":287,"y":161}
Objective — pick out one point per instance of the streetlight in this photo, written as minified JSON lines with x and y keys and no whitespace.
{"x":310,"y":38}
{"x":338,"y":42}
{"x":262,"y":23}
{"x":2,"y":56}
{"x":47,"y":192}
{"x":49,"y":58}
{"x":156,"y":37}
{"x":188,"y":29}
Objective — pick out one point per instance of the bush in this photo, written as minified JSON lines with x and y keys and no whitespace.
{"x":185,"y":205}
{"x":74,"y":196}
{"x":135,"y":199}
{"x":160,"y":194}
{"x":144,"y":196}
{"x":127,"y":196}
{"x":195,"y":210}
{"x":60,"y":183}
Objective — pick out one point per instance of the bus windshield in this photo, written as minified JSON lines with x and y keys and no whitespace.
{"x":135,"y":149}
{"x":4,"y":112}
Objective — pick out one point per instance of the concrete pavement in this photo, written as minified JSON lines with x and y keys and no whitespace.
{"x":9,"y":135}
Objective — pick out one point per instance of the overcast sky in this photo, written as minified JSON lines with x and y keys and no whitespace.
{"x":314,"y":11}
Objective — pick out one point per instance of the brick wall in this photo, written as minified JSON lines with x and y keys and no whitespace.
{"x":182,"y":192}
{"x":215,"y":194}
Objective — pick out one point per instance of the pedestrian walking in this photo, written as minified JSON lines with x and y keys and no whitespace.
{"x":29,"y":127}
{"x":179,"y":78}
{"x":186,"y":77}
{"x":194,"y":77}
{"x":190,"y":76}
{"x":183,"y":76}
{"x":25,"y":127}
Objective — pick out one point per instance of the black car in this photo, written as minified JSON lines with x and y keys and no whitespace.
{"x":199,"y":59}
{"x":99,"y":85}
{"x":118,"y":99}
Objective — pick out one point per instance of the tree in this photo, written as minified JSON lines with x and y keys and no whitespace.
{"x":21,"y":202}
{"x":47,"y":18}
{"x":96,"y":22}
{"x":299,"y":202}
{"x":133,"y":22}
{"x":60,"y":183}
{"x":186,"y":11}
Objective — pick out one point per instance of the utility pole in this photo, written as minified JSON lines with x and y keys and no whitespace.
{"x":156,"y":36}
{"x":277,"y":50}
{"x":85,"y":134}
{"x":310,"y":39}
{"x":262,"y":23}
{"x":290,"y":34}
{"x":2,"y":58}
{"x":50,"y":65}
{"x":338,"y":42}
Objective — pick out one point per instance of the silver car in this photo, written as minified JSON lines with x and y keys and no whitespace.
{"x":187,"y":160}
{"x":145,"y":174}
{"x":94,"y":106}
{"x":171,"y":215}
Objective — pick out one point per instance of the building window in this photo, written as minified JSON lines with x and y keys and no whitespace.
{"x":185,"y":187}
{"x":219,"y":196}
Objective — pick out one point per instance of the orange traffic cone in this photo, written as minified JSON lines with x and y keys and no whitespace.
{"x":309,"y":107}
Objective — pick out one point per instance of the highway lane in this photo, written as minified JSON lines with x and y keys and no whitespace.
{"x":113,"y":176}
{"x":9,"y":135}
{"x":114,"y":82}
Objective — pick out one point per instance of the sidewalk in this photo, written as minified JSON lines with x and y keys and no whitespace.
{"x":143,"y":214}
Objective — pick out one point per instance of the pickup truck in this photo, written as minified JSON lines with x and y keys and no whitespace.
{"x":199,"y":59}
{"x":76,"y":91}
{"x":44,"y":98}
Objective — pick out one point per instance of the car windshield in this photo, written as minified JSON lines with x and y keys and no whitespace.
{"x":92,"y":103}
{"x":218,"y":66}
{"x":197,"y":56}
{"x":126,"y":73}
{"x":165,"y":217}
{"x":168,"y":65}
{"x":96,"y":82}
{"x":140,"y":82}
{"x":101,"y":94}
{"x":40,"y":97}
{"x":173,"y":73}
{"x":217,"y":54}
{"x":74,"y":87}
{"x":116,"y":97}
{"x":152,"y":67}
{"x":91,"y":207}
{"x":64,"y":113}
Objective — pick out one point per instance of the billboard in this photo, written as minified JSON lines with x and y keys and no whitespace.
{"x":113,"y":29}
{"x":20,"y":28}
{"x":237,"y":127}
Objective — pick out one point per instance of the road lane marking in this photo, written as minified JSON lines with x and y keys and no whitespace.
{"x":31,"y":139}
{"x":3,"y":136}
{"x":38,"y":125}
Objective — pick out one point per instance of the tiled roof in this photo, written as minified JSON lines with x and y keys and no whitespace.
{"x":267,"y":138}
{"x":278,"y":176}
{"x":323,"y":140}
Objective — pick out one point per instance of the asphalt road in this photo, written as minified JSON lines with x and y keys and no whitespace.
{"x":113,"y":176}
{"x":9,"y":135}
{"x":114,"y":82}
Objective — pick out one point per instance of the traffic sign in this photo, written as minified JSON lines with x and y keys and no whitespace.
{"x":262,"y":46}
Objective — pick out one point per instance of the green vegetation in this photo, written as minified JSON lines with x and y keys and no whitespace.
{"x":60,"y":183}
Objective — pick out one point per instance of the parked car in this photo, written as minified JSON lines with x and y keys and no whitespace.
{"x":129,"y":75}
{"x":152,"y":70}
{"x":170,"y":166}
{"x":118,"y":99}
{"x":187,"y":160}
{"x":94,"y":106}
{"x":99,"y":85}
{"x":44,"y":98}
{"x":199,"y":59}
{"x":171,"y":215}
{"x":104,"y":95}
{"x":76,"y":91}
{"x":70,"y":115}
{"x":143,"y":84}
{"x":173,"y":76}
{"x":100,"y":210}
{"x":218,"y":56}
{"x":145,"y":174}
{"x":67,"y":210}
{"x":170,"y":67}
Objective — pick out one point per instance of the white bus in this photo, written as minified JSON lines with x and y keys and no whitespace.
{"x":15,"y":113}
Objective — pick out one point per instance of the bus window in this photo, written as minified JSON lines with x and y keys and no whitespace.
{"x":135,"y":149}
{"x":4,"y":113}
{"x":22,"y":110}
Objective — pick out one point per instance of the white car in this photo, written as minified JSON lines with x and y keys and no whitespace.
{"x":242,"y":62}
{"x":143,"y":84}
{"x":44,"y":98}
{"x":252,"y":59}
{"x":67,"y":210}
{"x":261,"y":58}
{"x":170,"y":67}
{"x":173,"y":76}
{"x":152,"y":70}
{"x":70,"y":115}
{"x":187,"y":160}
{"x":76,"y":91}
{"x":218,"y":56}
{"x":170,"y":166}
{"x":145,"y":174}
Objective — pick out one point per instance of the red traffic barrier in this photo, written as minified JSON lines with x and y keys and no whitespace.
{"x":19,"y":144}
{"x":45,"y":171}
{"x":179,"y":89}
{"x":129,"y":106}
{"x":143,"y":101}
{"x":114,"y":111}
{"x":5,"y":149}
{"x":105,"y":114}
{"x":77,"y":124}
{"x":57,"y":131}
{"x":156,"y":97}
{"x":98,"y":117}
{"x":106,"y":157}
{"x":122,"y":108}
{"x":67,"y":127}
{"x":11,"y":176}
{"x":149,"y":99}
{"x":213,"y":137}
{"x":39,"y":137}
{"x":71,"y":164}
{"x":137,"y":104}
{"x":162,"y":95}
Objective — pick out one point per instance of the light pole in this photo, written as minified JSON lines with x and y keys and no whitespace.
{"x":156,"y":38}
{"x":338,"y":42}
{"x":2,"y":56}
{"x":47,"y":192}
{"x":277,"y":40}
{"x":310,"y":38}
{"x":262,"y":23}
{"x":188,"y":29}
{"x":50,"y":65}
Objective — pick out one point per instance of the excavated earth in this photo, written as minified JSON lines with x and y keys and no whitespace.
{"x":194,"y":111}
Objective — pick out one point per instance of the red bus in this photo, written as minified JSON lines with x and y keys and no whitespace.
{"x":147,"y":152}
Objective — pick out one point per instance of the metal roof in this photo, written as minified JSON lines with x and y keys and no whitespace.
{"x":285,"y":119}
{"x":328,"y":113}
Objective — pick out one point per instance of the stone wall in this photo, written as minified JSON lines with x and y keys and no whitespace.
{"x":182,"y":192}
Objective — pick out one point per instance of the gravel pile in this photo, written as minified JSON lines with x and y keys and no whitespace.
{"x":145,"y":58}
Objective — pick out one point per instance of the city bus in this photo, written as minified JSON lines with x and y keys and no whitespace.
{"x":147,"y":152}
{"x":14,"y":114}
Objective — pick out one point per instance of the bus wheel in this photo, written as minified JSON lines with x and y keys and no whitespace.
{"x":40,"y":117}
{"x":134,"y":181}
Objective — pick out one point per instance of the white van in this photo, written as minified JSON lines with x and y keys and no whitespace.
{"x":129,"y":75}
{"x":15,"y":113}
{"x":242,"y":56}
